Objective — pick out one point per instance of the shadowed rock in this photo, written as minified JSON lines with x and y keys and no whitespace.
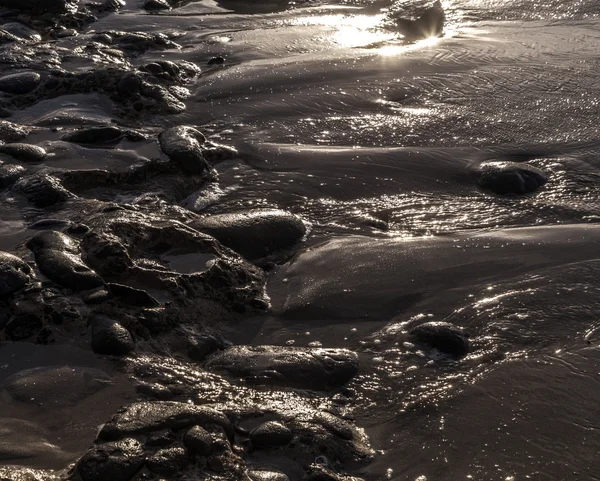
{"x":442,"y":336}
{"x":182,"y":145}
{"x":115,"y":461}
{"x":271,"y":434}
{"x":14,"y":274}
{"x":20,"y":83}
{"x":511,"y":178}
{"x":309,"y":368}
{"x":110,"y":338}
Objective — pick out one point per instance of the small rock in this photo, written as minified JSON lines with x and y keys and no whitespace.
{"x":168,"y":461}
{"x":154,"y":5}
{"x":14,"y":274}
{"x":442,"y":336}
{"x":216,"y":61}
{"x":267,"y":476}
{"x":67,"y":270}
{"x":114,"y":461}
{"x":9,"y":174}
{"x":511,"y":178}
{"x":271,"y":434}
{"x":53,"y":240}
{"x":24,"y":152}
{"x":24,"y":326}
{"x":135,"y":297}
{"x":203,"y":345}
{"x":182,"y":145}
{"x":95,"y":136}
{"x":42,"y":190}
{"x":110,"y":338}
{"x":20,"y":83}
{"x":199,"y":441}
{"x":161,"y":439}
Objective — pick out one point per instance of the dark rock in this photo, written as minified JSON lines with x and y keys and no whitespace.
{"x":114,"y":461}
{"x":135,"y":297}
{"x":271,"y":434}
{"x":335,"y":425}
{"x":429,"y":24}
{"x":161,"y":439}
{"x":182,"y":145}
{"x":53,"y":240}
{"x":154,"y":391}
{"x":254,"y":233}
{"x":49,"y":224}
{"x":110,"y":338}
{"x":311,"y":368}
{"x":216,"y":61}
{"x":145,"y":417}
{"x":10,"y":173}
{"x":168,"y":461}
{"x":129,"y":84}
{"x":511,"y":178}
{"x":105,"y":253}
{"x":67,"y":270}
{"x":442,"y":336}
{"x":199,"y":441}
{"x":24,"y":326}
{"x":203,"y":345}
{"x":11,"y":132}
{"x":267,"y":476}
{"x":97,"y":297}
{"x":95,"y":136}
{"x":154,"y":5}
{"x":24,"y":152}
{"x":14,"y":274}
{"x":42,"y":190}
{"x":20,"y":83}
{"x":23,"y":32}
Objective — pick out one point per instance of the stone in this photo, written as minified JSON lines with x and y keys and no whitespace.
{"x":271,"y":434}
{"x":11,"y":132}
{"x":95,"y":136}
{"x":53,"y":240}
{"x":168,"y":461}
{"x":154,"y":5}
{"x":42,"y":190}
{"x":10,"y":173}
{"x":110,"y":338}
{"x":202,"y":345}
{"x":23,"y":326}
{"x":67,"y":270}
{"x":134,"y":297}
{"x":267,"y":476}
{"x":24,"y":152}
{"x":145,"y":417}
{"x":114,"y":461}
{"x":310,"y":368}
{"x":161,"y":439}
{"x":20,"y":83}
{"x":216,"y":61}
{"x":506,"y":178}
{"x":198,"y":441}
{"x":14,"y":274}
{"x":182,"y":144}
{"x":254,"y":233}
{"x":442,"y":336}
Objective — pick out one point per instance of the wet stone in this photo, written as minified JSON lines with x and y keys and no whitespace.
{"x":24,"y":152}
{"x":67,"y":270}
{"x":14,"y":274}
{"x":53,"y":240}
{"x":311,"y":368}
{"x":42,"y":190}
{"x":267,"y":476}
{"x":203,"y":345}
{"x":216,"y":61}
{"x":20,"y":83}
{"x":114,"y":461}
{"x":182,"y":145}
{"x":168,"y":461}
{"x":110,"y":338}
{"x":9,"y":174}
{"x":153,"y":5}
{"x":161,"y":439}
{"x":95,"y":136}
{"x":511,"y":178}
{"x":11,"y":132}
{"x":254,"y":233}
{"x":271,"y":434}
{"x":134,"y":297}
{"x":442,"y":336}
{"x":198,"y":441}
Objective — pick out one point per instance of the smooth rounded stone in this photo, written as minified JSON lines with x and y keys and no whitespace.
{"x":37,"y":5}
{"x":254,"y":233}
{"x":310,"y":368}
{"x":55,"y":385}
{"x":153,"y":5}
{"x":20,"y":83}
{"x":53,"y":240}
{"x":49,"y":224}
{"x":145,"y":417}
{"x":267,"y":476}
{"x":132,"y":296}
{"x":111,"y":338}
{"x":14,"y":274}
{"x":105,"y":253}
{"x":168,"y":461}
{"x":182,"y":144}
{"x":23,"y":326}
{"x":511,"y":178}
{"x":198,"y":441}
{"x":129,"y":84}
{"x":216,"y":61}
{"x":271,"y":434}
{"x":442,"y":336}
{"x":114,"y":461}
{"x":24,"y":152}
{"x":20,"y":439}
{"x":67,"y":270}
{"x":10,"y":173}
{"x":42,"y":190}
{"x":95,"y":136}
{"x":22,"y":31}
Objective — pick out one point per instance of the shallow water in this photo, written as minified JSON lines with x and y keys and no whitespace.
{"x":374,"y":141}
